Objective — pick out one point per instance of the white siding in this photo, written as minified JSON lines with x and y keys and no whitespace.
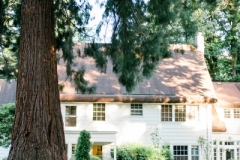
{"x":3,"y":153}
{"x":138,"y":128}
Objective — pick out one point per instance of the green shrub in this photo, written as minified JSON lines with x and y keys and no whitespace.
{"x":6,"y":121}
{"x":83,"y":146}
{"x":141,"y":152}
{"x":95,"y":158}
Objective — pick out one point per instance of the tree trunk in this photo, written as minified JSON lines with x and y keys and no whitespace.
{"x":38,"y":128}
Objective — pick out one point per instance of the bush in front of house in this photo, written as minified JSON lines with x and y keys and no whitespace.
{"x":83,"y":146}
{"x":141,"y":152}
{"x":95,"y":158}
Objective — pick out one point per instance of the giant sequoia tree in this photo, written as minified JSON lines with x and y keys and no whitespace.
{"x":141,"y":35}
{"x":38,"y":127}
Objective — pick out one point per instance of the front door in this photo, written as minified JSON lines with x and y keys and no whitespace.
{"x":97,"y":150}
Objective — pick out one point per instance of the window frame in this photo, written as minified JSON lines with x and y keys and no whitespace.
{"x":195,"y":152}
{"x":74,"y":149}
{"x":227,"y":113}
{"x":172,"y":113}
{"x":99,"y":112}
{"x":167,"y":113}
{"x":71,"y":116}
{"x":236,"y":113}
{"x":180,"y":113}
{"x":137,"y":108}
{"x":238,"y":152}
{"x":181,"y":153}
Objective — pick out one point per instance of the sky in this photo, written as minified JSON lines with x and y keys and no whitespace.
{"x":97,"y":12}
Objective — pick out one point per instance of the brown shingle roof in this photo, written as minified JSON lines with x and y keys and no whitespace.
{"x":182,"y":78}
{"x":228,"y":94}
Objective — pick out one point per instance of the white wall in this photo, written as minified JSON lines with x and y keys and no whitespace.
{"x":3,"y":153}
{"x":138,"y":128}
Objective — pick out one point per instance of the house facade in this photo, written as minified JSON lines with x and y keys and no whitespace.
{"x":178,"y":102}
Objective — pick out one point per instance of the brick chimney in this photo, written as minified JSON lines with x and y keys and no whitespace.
{"x":200,"y":42}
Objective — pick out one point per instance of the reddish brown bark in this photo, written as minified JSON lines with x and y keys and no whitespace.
{"x":38,"y":128}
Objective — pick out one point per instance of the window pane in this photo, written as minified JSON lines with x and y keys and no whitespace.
{"x":70,"y":110}
{"x":136,"y":109}
{"x":195,"y":153}
{"x":99,"y":112}
{"x":73,"y":148}
{"x":180,"y":152}
{"x":180,"y":113}
{"x":166,"y":113}
{"x":237,"y":113}
{"x":227,"y":113}
{"x":70,"y":121}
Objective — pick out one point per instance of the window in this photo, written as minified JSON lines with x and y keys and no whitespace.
{"x":236,"y":113}
{"x":238,"y":143}
{"x":220,"y":142}
{"x":73,"y":149}
{"x":238,"y":153}
{"x":220,"y":154}
{"x":229,"y":143}
{"x":214,"y":154}
{"x":173,"y":113}
{"x":180,"y":113}
{"x":136,"y":109}
{"x":195,"y":153}
{"x":66,"y":145}
{"x":99,"y":112}
{"x":180,"y":152}
{"x":70,"y":116}
{"x":166,"y":113}
{"x":227,"y":113}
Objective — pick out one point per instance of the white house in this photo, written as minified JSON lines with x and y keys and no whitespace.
{"x":178,"y":100}
{"x":226,"y":134}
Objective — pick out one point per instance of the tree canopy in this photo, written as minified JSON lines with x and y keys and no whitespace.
{"x":142,"y":32}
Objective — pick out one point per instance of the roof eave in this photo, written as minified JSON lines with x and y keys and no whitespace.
{"x":137,"y":98}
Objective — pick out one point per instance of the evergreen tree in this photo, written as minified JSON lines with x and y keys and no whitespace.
{"x":83,"y":146}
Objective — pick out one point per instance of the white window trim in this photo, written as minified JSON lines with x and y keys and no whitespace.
{"x":197,"y":117}
{"x":132,"y":115}
{"x":69,"y":116}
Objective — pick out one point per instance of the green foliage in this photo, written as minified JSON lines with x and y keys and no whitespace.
{"x":95,"y":158}
{"x":206,"y":147}
{"x":155,"y":138}
{"x":6,"y":122}
{"x":141,"y":152}
{"x":221,"y":29}
{"x":83,"y":146}
{"x":142,"y":32}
